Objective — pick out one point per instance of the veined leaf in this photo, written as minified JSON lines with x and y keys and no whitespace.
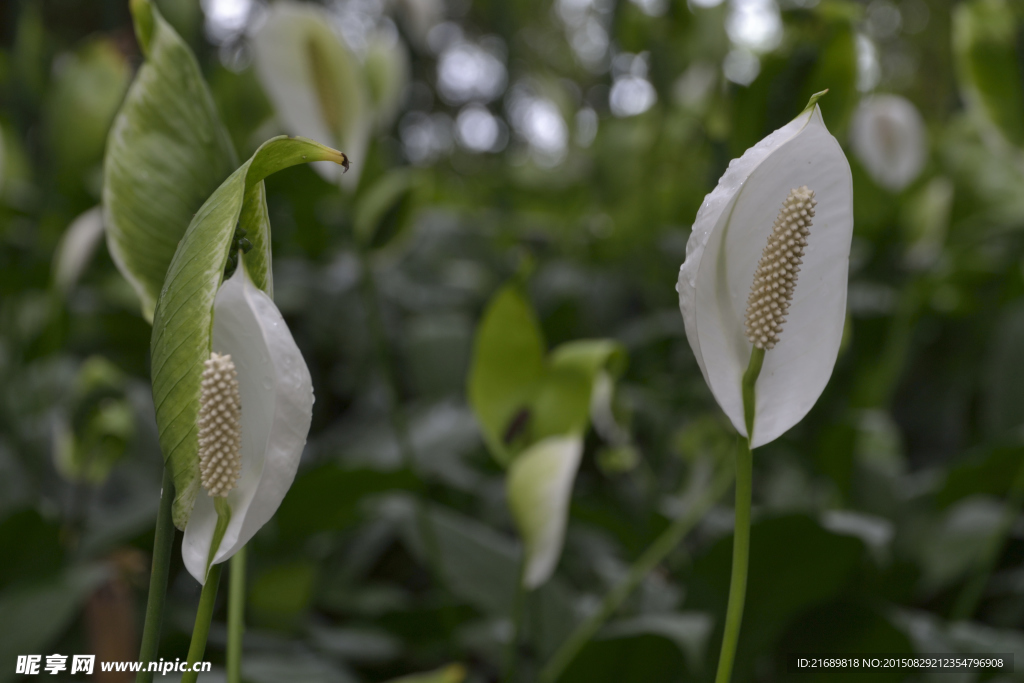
{"x":508,"y":367}
{"x":984,"y":43}
{"x":166,"y":152}
{"x":183,"y":320}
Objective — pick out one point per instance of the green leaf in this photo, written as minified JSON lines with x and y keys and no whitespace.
{"x":591,"y":356}
{"x":984,"y":42}
{"x":453,"y":673}
{"x":30,"y":546}
{"x":85,"y":95}
{"x":795,"y":565}
{"x":989,"y":471}
{"x":562,"y":405}
{"x":507,"y":368}
{"x":518,"y":395}
{"x":480,"y":566}
{"x":281,"y":594}
{"x":183,"y":319}
{"x":59,"y":599}
{"x":384,"y":210}
{"x":166,"y":152}
{"x":650,"y":647}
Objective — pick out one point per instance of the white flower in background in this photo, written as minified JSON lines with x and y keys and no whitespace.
{"x":255,"y":411}
{"x":76,"y":248}
{"x":316,"y":84}
{"x":735,"y":249}
{"x":888,"y":137}
{"x":539,"y":486}
{"x":387,"y":74}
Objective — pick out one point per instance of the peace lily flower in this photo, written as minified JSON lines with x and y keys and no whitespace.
{"x":888,"y":137}
{"x":316,"y":84}
{"x":255,"y":409}
{"x":748,"y":283}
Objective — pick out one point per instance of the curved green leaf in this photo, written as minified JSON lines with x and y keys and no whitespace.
{"x":184,"y":312}
{"x":984,"y":41}
{"x":508,"y":366}
{"x":591,"y":356}
{"x":166,"y":152}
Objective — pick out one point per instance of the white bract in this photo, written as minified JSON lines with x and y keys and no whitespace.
{"x":888,"y":137}
{"x":316,"y":84}
{"x":730,"y":233}
{"x":539,"y":487}
{"x":276,"y":396}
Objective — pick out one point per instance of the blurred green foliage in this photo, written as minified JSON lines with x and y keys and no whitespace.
{"x":594,"y":145}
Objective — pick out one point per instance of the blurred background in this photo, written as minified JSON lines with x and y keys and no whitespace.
{"x":570,"y":142}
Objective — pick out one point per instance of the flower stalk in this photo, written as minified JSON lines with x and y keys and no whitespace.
{"x":741,"y":535}
{"x":518,"y":607}
{"x":236,"y":617}
{"x":163,"y":540}
{"x":201,"y":630}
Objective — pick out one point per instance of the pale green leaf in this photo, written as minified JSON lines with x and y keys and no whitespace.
{"x":184,"y":313}
{"x":564,"y":402}
{"x":508,"y":367}
{"x":166,"y":153}
{"x":539,"y":487}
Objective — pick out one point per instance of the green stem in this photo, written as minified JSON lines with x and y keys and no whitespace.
{"x":162,"y":544}
{"x":512,"y":648}
{"x":400,"y":425}
{"x":749,"y":397}
{"x":201,"y":630}
{"x":236,"y":617}
{"x":740,"y":560}
{"x":651,"y":558}
{"x":741,"y":536}
{"x":970,"y":596}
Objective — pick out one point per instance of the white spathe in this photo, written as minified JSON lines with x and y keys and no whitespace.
{"x":539,"y":487}
{"x":277,"y":405}
{"x":888,"y":136}
{"x":729,"y":233}
{"x":284,"y":47}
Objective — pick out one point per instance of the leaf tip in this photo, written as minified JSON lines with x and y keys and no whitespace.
{"x":814,"y":100}
{"x":142,"y":16}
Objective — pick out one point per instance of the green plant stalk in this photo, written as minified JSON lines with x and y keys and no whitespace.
{"x":204,"y":615}
{"x":201,"y":630}
{"x":512,"y":648}
{"x":741,"y":535}
{"x":236,"y":616}
{"x":400,"y":425}
{"x":651,"y":558}
{"x":967,"y":602}
{"x":163,"y":541}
